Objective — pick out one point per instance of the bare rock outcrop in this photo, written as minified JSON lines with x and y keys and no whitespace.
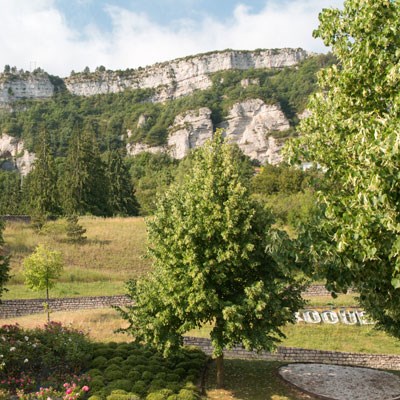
{"x":14,"y":155}
{"x":250,"y":125}
{"x":190,"y":130}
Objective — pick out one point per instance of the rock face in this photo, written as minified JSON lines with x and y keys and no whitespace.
{"x":250,"y":124}
{"x":190,"y":130}
{"x":15,"y":86}
{"x":183,"y":76}
{"x":14,"y":156}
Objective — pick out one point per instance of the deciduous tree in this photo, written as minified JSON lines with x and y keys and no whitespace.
{"x":353,"y":134}
{"x":41,"y":269}
{"x":217,"y":261}
{"x":4,"y":261}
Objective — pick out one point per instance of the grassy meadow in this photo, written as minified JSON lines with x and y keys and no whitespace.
{"x":113,"y":253}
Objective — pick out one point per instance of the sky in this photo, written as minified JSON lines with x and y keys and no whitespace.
{"x":64,"y":35}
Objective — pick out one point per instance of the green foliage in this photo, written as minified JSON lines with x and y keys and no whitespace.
{"x":84,"y":186}
{"x":41,"y":183}
{"x":216,"y":259}
{"x":353,"y":134}
{"x":4,"y":261}
{"x":11,"y":197}
{"x":41,"y":269}
{"x":121,"y":197}
{"x":75,"y":232}
{"x":151,"y":174}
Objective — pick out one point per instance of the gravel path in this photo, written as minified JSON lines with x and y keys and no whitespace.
{"x":343,"y":383}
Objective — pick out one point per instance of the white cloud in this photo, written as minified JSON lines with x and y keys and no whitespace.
{"x":35,"y":31}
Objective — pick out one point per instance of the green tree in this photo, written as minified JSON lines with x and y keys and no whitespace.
{"x":42,"y":181}
{"x":84,"y":186}
{"x":41,"y":269}
{"x":75,"y":232}
{"x":353,"y":135}
{"x":122,"y":200}
{"x":4,"y":262}
{"x":217,"y":260}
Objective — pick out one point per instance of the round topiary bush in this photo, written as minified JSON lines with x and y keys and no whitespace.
{"x":134,"y":375}
{"x":124,"y":384}
{"x":171,"y":377}
{"x":97,"y":383}
{"x":139,"y":387}
{"x":156,"y":385}
{"x":116,"y":360}
{"x":99,"y":362}
{"x":147,"y":376}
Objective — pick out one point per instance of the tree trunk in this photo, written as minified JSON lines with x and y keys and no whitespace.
{"x":48,"y":305}
{"x":220,"y":371}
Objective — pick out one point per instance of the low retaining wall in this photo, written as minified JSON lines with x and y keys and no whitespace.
{"x":15,"y":308}
{"x":293,"y":354}
{"x":319,"y":290}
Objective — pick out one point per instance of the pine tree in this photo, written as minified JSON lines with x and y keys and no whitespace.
{"x":41,"y":183}
{"x":75,"y":232}
{"x":122,"y":200}
{"x":84,"y":186}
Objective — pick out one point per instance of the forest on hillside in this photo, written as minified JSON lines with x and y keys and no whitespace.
{"x":82,"y":167}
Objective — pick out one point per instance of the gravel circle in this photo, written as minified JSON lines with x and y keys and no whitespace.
{"x":337,"y":382}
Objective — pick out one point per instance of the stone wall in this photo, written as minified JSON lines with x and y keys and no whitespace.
{"x":15,"y":308}
{"x":293,"y":354}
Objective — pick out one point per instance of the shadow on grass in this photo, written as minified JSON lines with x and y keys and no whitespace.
{"x":252,"y":380}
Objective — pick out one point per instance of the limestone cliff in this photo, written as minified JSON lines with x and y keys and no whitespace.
{"x":183,"y":76}
{"x":250,"y":124}
{"x":13,"y":155}
{"x":20,"y":85}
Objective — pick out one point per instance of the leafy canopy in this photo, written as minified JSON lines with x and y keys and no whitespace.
{"x":42,"y":268}
{"x":353,"y":135}
{"x":217,"y":260}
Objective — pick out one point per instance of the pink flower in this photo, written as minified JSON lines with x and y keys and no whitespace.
{"x":85,"y":388}
{"x":66,"y":385}
{"x":68,"y":391}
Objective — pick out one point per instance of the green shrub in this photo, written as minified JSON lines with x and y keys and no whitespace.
{"x":113,"y":374}
{"x":180,"y":371}
{"x":96,"y":383}
{"x":94,"y":372}
{"x":173,"y":397}
{"x":157,"y":384}
{"x":147,"y":376}
{"x":141,"y":368}
{"x":124,"y":384}
{"x":134,"y":375}
{"x":162,"y":394}
{"x":161,"y":375}
{"x":186,"y":394}
{"x":94,"y":397}
{"x":99,"y":362}
{"x":139,"y":387}
{"x":174,"y":386}
{"x":116,"y":360}
{"x":171,"y":377}
{"x":103,"y":351}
